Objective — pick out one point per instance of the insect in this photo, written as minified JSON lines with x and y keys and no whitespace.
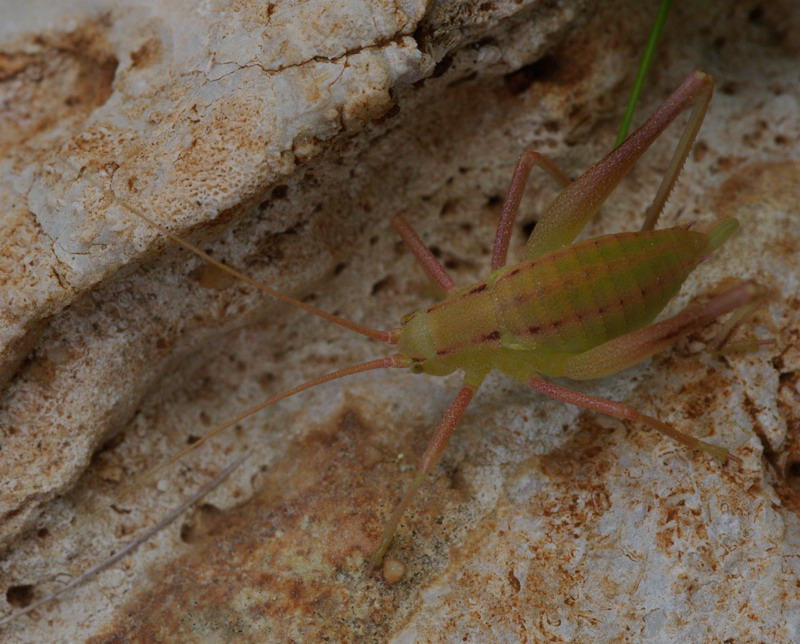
{"x":578,"y":310}
{"x":581,"y":310}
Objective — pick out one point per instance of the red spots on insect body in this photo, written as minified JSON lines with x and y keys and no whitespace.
{"x":492,"y":337}
{"x":624,"y":279}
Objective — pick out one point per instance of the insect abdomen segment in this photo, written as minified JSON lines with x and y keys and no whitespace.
{"x":573,"y":299}
{"x":561,"y":304}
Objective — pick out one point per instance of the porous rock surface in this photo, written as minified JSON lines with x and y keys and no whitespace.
{"x":282,"y":137}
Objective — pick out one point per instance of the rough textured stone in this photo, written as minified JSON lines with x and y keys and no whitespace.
{"x":285,"y":148}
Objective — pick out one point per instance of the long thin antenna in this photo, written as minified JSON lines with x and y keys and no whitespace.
{"x":395,"y":360}
{"x":169,"y":518}
{"x":389,"y":337}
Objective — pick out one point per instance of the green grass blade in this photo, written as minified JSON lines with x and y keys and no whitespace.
{"x":644,"y":67}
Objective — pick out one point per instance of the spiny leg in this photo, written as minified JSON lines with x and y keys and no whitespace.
{"x":722,"y":343}
{"x":429,"y":460}
{"x":624,"y":412}
{"x":432,"y":266}
{"x":690,"y":131}
{"x":625,"y":351}
{"x":519,"y":180}
{"x":580,"y":200}
{"x":743,"y":346}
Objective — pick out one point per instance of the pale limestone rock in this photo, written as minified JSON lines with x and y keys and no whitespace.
{"x":270,"y":133}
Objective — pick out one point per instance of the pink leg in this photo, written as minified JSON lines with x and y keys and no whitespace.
{"x":722,"y":343}
{"x":429,"y":263}
{"x":622,"y":352}
{"x":519,"y":179}
{"x":623,"y":412}
{"x":429,"y":460}
{"x":577,"y":203}
{"x":630,"y":349}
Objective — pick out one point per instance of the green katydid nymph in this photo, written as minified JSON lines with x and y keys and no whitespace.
{"x":579,"y":310}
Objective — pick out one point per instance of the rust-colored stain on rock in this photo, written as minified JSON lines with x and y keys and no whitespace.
{"x":259,"y":573}
{"x":540,"y":524}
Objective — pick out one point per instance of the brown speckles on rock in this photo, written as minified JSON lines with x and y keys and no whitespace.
{"x":257,"y":567}
{"x":61,"y":77}
{"x":147,"y":54}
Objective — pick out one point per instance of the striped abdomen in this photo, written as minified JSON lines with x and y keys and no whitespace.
{"x":565,"y":302}
{"x":583,"y":295}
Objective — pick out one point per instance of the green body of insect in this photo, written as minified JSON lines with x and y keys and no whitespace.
{"x":581,"y":310}
{"x":545,"y":315}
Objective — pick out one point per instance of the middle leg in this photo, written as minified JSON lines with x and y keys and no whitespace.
{"x":432,"y":266}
